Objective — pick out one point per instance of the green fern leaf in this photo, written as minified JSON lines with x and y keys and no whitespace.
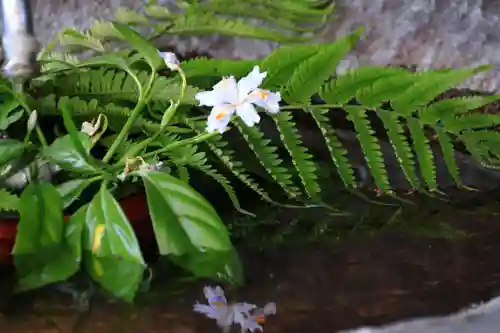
{"x":424,"y":153}
{"x":446,"y":143}
{"x":429,"y":86}
{"x":216,"y":67}
{"x":453,"y":106}
{"x":385,"y":89}
{"x":337,"y":152}
{"x":207,"y":24}
{"x":268,"y":158}
{"x":282,"y":61}
{"x":371,"y":148}
{"x":346,"y":86}
{"x":311,"y":74}
{"x":301,"y":159}
{"x":272,"y":12}
{"x":470,"y":122}
{"x":226,"y":156}
{"x":110,"y":85}
{"x":402,"y":149}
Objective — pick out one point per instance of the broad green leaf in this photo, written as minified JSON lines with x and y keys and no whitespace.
{"x":143,"y":46}
{"x":71,"y":190}
{"x":8,"y":202}
{"x":63,"y":153}
{"x":11,"y":149}
{"x":46,"y":250}
{"x":112,"y":254}
{"x":222,"y":265}
{"x":184,"y":222}
{"x":10,"y":112}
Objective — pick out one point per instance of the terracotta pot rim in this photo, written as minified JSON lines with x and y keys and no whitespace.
{"x":14,"y":217}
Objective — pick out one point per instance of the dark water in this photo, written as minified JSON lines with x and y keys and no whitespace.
{"x":343,"y":276}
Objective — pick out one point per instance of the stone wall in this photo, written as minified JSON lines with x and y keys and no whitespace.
{"x":427,"y":33}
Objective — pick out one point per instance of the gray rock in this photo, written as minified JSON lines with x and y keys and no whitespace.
{"x":427,"y":33}
{"x":484,"y":318}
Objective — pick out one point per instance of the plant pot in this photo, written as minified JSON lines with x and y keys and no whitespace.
{"x":135,"y":208}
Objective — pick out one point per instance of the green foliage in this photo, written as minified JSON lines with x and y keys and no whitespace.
{"x":114,"y":116}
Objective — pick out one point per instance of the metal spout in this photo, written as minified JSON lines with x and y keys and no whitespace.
{"x":19,"y":42}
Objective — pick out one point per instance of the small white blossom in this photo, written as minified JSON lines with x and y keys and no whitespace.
{"x":170,"y":60}
{"x":229,"y":96}
{"x":248,"y":316}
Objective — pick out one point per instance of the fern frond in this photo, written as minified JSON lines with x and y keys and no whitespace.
{"x":402,"y":149}
{"x":453,"y":107}
{"x":219,"y":148}
{"x":282,"y":61}
{"x":111,"y":85}
{"x":448,"y":150}
{"x":301,"y":159}
{"x":371,"y":148}
{"x":429,"y":85}
{"x":311,"y":74}
{"x":268,"y":158}
{"x":337,"y":152}
{"x":468,"y":122}
{"x":217,"y":67}
{"x":424,"y":153}
{"x":346,"y":86}
{"x":207,"y":23}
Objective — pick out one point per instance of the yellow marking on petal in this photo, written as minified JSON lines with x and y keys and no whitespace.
{"x":220,"y":115}
{"x":218,"y":304}
{"x":98,"y":233}
{"x":261,"y":94}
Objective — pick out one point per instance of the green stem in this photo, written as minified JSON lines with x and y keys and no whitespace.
{"x":27,"y":109}
{"x":169,"y":113}
{"x":197,"y":139}
{"x":143,"y":96}
{"x":173,"y":108}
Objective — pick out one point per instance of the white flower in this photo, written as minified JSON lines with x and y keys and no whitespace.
{"x":228,"y":97}
{"x":245,"y":314}
{"x":170,"y":60}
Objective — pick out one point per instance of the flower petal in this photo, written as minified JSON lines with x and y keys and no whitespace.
{"x":266,"y":100}
{"x":227,"y":90}
{"x":250,"y":82}
{"x":248,"y":114}
{"x":170,"y":60}
{"x":217,"y":121}
{"x":215,"y":296}
{"x":208,"y":98}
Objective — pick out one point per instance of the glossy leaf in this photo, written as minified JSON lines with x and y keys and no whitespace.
{"x":71,"y":190}
{"x":46,"y":250}
{"x":63,"y":153}
{"x":184,"y":222}
{"x":143,"y":46}
{"x":112,"y":254}
{"x":10,"y":112}
{"x":11,"y":149}
{"x":222,"y":265}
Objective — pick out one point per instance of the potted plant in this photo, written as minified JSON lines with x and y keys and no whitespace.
{"x":133,"y":123}
{"x":97,"y":148}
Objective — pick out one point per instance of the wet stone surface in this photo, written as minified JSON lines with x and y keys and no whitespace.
{"x":318,"y":287}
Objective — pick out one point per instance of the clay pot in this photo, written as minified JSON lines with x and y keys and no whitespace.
{"x":134,"y":206}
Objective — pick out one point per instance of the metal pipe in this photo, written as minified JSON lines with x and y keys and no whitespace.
{"x":18,"y":40}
